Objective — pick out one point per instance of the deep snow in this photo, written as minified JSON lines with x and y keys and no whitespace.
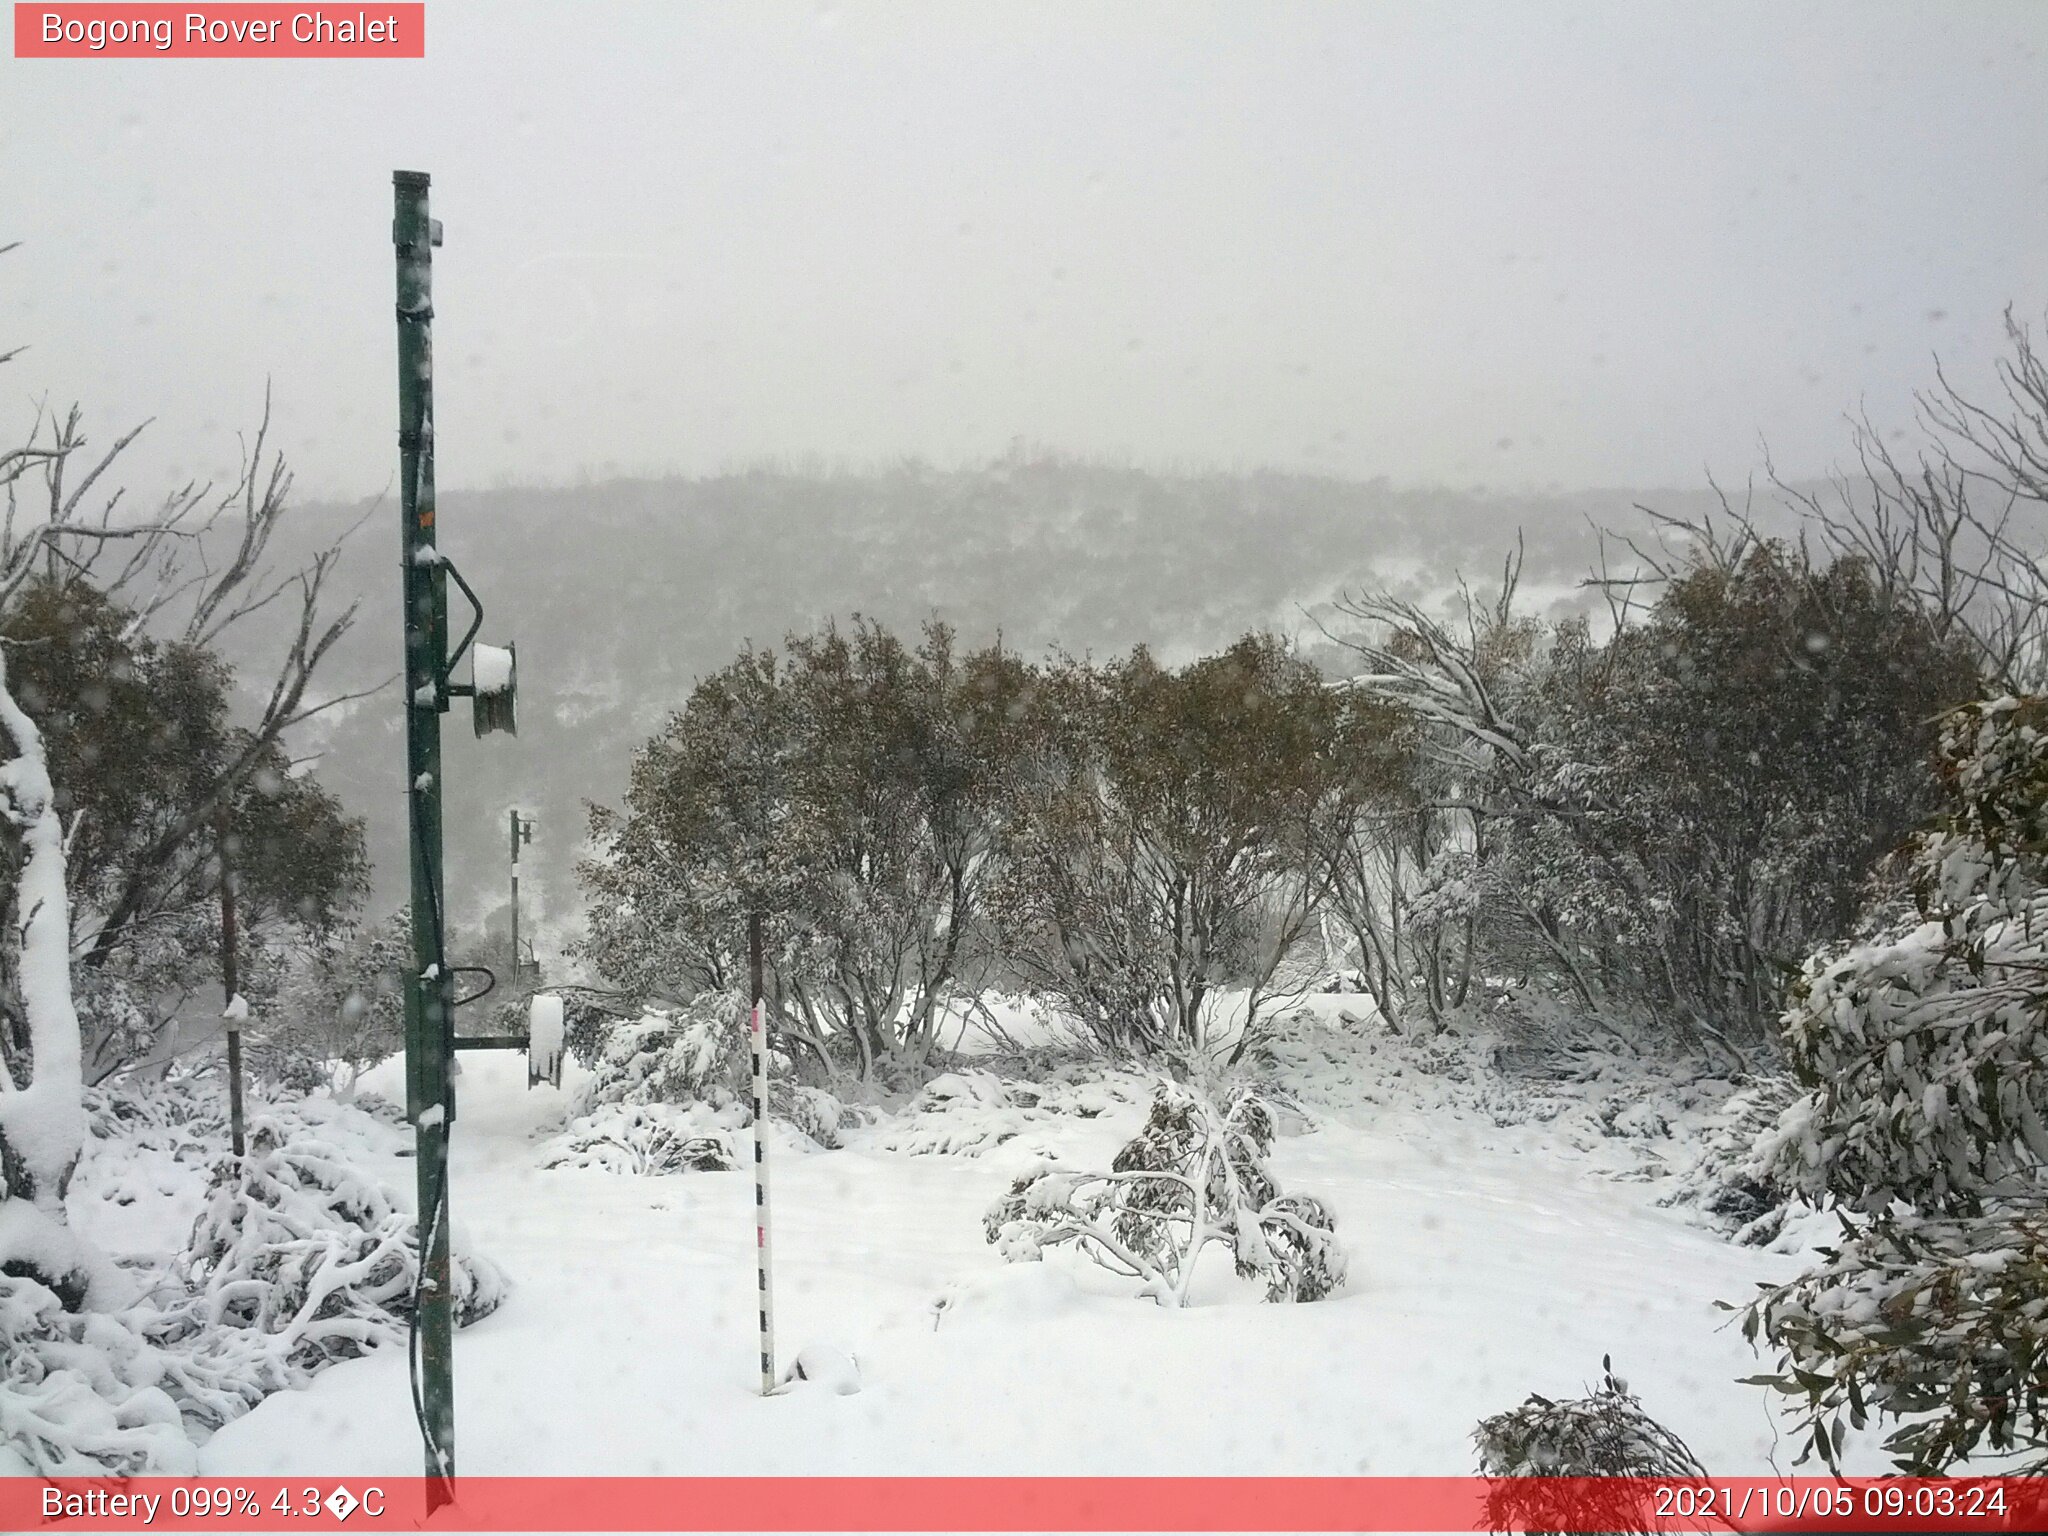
{"x":1490,"y":1257}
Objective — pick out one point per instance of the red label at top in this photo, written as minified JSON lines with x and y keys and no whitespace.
{"x":260,"y":31}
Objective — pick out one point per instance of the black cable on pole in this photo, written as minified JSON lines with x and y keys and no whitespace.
{"x":428,"y":1224}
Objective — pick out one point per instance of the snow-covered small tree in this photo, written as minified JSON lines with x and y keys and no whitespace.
{"x":297,"y":1261}
{"x":1924,"y":1053}
{"x":1194,"y":1175}
{"x":1542,"y":1457}
{"x":42,"y":1107}
{"x":691,"y":1054}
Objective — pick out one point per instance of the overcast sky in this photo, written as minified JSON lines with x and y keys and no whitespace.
{"x":1522,"y":245}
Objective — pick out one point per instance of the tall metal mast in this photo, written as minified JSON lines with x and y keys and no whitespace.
{"x":429,"y":997}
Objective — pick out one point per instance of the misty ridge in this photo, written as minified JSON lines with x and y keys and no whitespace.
{"x":621,"y":594}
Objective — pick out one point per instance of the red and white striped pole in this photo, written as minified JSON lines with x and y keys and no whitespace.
{"x":757,"y":1031}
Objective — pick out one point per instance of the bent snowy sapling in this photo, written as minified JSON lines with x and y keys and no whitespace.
{"x":1549,"y":1463}
{"x":1194,"y":1175}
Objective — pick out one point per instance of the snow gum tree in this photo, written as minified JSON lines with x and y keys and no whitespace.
{"x":192,"y":570}
{"x":847,"y":790}
{"x":1662,"y":824}
{"x":137,"y":731}
{"x":42,"y":1115}
{"x":1166,"y":846}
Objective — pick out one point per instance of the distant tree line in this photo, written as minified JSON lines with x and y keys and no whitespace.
{"x":1656,"y":826}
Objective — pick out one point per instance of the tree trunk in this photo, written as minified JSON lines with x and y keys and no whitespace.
{"x":42,"y":1108}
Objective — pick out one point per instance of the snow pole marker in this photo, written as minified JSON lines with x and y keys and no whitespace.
{"x":757,"y":1035}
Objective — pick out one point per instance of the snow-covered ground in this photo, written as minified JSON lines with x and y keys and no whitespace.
{"x":1493,"y":1252}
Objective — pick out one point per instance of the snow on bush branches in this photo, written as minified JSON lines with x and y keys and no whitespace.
{"x":296,"y":1262}
{"x":1607,"y":1434}
{"x":670,"y":1095}
{"x":693,"y":1054}
{"x":1922,"y":1047}
{"x":81,"y":1392}
{"x":1926,"y":1122}
{"x":1938,"y":1321}
{"x":1195,"y":1174}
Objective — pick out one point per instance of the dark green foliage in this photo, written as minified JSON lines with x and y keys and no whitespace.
{"x":1606,"y":1434}
{"x":141,"y":736}
{"x":1935,"y":1322}
{"x":848,"y":790}
{"x":1168,"y":832}
{"x":1925,"y":1120}
{"x":1738,"y":765}
{"x":1662,"y":825}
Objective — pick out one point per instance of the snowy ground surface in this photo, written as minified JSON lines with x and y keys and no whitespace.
{"x":1503,"y":1235}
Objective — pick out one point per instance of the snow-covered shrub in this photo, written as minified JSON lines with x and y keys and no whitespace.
{"x":813,"y":1111}
{"x":80,"y":1392}
{"x":961,"y":1114}
{"x":671,"y":1093}
{"x":187,"y":1107}
{"x":587,"y":1025}
{"x":1606,"y":1434}
{"x":973,"y":1111}
{"x":1923,"y":1047}
{"x":296,"y":1262}
{"x":1941,"y":1322}
{"x":1194,"y":1175}
{"x":693,"y":1054}
{"x":649,"y":1139}
{"x":1731,"y":1183}
{"x":1925,"y":1121}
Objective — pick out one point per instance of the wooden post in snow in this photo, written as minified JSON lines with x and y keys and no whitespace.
{"x":232,"y":1011}
{"x":757,"y":1035}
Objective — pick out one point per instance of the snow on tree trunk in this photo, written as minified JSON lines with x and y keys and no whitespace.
{"x":42,"y":1110}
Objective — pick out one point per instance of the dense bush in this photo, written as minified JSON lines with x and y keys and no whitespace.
{"x":81,"y":1393}
{"x":1663,"y":823}
{"x":297,"y":1261}
{"x":848,"y":791}
{"x":1606,"y":1434}
{"x":1937,"y":1322}
{"x":1922,"y":1047}
{"x":1161,"y":856}
{"x":1921,"y":1051}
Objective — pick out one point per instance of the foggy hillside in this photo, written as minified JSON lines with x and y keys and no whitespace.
{"x":621,"y":594}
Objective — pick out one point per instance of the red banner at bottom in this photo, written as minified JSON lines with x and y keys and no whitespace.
{"x":1379,"y":1504}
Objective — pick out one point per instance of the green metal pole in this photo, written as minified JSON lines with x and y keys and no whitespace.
{"x":429,"y":1012}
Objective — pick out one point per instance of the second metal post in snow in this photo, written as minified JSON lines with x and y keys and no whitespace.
{"x":757,"y":1035}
